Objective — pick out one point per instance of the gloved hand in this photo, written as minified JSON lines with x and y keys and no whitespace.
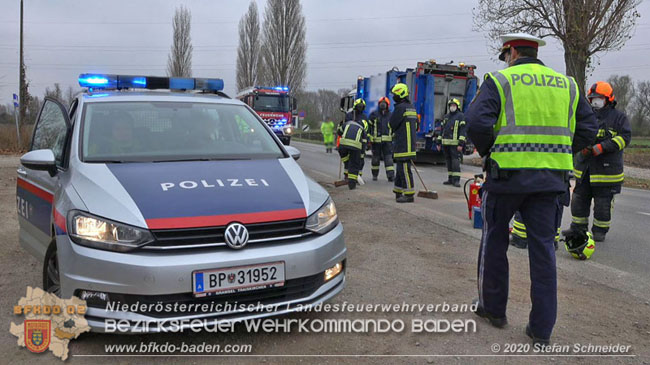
{"x":597,"y":149}
{"x":586,"y":152}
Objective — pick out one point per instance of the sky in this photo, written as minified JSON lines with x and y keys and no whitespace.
{"x":64,"y":38}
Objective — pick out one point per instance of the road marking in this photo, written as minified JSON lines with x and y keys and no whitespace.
{"x":644,"y":213}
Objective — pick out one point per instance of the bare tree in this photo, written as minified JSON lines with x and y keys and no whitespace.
{"x":640,"y":113}
{"x":586,"y":28}
{"x":179,"y":61}
{"x":55,"y":92}
{"x":248,"y":52}
{"x":623,"y":90}
{"x":284,"y":47}
{"x":70,"y":93}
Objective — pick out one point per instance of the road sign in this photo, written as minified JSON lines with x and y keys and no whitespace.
{"x":15,"y":101}
{"x":301,"y":114}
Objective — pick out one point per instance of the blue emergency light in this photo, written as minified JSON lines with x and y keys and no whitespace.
{"x":104,"y":82}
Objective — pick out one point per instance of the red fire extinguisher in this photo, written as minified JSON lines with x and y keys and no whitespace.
{"x":472,"y":194}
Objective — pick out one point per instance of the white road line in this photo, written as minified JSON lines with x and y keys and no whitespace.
{"x":644,"y":213}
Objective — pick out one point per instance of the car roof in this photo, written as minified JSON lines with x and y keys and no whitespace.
{"x":169,"y":96}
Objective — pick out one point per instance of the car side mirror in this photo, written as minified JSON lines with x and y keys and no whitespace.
{"x":293,"y":151}
{"x":42,"y":160}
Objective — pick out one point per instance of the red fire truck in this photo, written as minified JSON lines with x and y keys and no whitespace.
{"x":275,"y":106}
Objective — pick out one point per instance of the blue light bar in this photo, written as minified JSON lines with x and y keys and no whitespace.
{"x":98,"y":81}
{"x":102,"y":81}
{"x":181,"y":83}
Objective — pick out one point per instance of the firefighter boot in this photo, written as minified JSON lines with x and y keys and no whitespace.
{"x":352,"y":184}
{"x":397,"y":196}
{"x":599,"y":236}
{"x":405,"y":199}
{"x":518,"y":241}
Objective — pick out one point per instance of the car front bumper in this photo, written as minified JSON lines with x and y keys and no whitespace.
{"x":152,"y":275}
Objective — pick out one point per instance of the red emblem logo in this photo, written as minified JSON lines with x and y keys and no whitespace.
{"x":37,"y":334}
{"x":231,"y":278}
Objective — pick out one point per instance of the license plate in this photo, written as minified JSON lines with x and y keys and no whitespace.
{"x":238,"y":279}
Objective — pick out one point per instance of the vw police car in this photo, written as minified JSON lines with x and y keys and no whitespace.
{"x":151,"y":190}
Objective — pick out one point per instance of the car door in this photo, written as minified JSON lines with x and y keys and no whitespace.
{"x":35,"y":190}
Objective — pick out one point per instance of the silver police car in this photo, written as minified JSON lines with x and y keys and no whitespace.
{"x":172,"y":205}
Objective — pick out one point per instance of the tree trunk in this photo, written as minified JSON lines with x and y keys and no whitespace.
{"x":575,"y":61}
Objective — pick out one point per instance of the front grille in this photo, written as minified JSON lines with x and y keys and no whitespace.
{"x":292,"y":290}
{"x":214,"y":236}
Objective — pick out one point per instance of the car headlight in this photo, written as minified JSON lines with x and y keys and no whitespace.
{"x":287,"y":130}
{"x":88,"y":230}
{"x":324,"y":219}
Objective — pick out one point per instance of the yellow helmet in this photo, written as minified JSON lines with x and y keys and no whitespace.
{"x":580,"y":245}
{"x":359,"y":101}
{"x":401,"y":90}
{"x":454,"y":101}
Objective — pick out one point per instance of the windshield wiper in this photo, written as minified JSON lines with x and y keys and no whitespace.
{"x":204,"y":159}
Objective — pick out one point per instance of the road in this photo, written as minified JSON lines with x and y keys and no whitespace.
{"x":626,"y":252}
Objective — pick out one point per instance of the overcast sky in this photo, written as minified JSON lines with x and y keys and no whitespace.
{"x":64,"y":38}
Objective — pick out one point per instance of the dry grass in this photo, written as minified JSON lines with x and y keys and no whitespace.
{"x":8,"y":140}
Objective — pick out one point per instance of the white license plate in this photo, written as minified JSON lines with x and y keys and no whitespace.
{"x":238,"y":279}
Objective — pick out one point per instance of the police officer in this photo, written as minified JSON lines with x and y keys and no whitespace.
{"x":599,"y":168}
{"x":380,"y":136}
{"x":452,"y":137}
{"x":327,"y":130}
{"x":403,"y":122}
{"x":528,"y":141}
{"x":353,"y":143}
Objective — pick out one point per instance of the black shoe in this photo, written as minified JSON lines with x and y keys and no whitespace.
{"x":446,"y":182}
{"x":457,"y":184}
{"x":374,"y":178}
{"x":518,"y":242}
{"x":598,"y":236}
{"x":536,"y":340}
{"x":405,"y":199}
{"x":555,"y":245}
{"x":391,"y":178}
{"x":496,"y":322}
{"x":352,"y":184}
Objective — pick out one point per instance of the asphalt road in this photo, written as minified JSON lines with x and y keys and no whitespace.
{"x":625,"y":253}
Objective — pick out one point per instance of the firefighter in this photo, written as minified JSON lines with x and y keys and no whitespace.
{"x":380,"y":136}
{"x":327,"y":130}
{"x":403,"y":123}
{"x":526,"y":121}
{"x":353,"y":143}
{"x":452,"y":137}
{"x":599,"y":168}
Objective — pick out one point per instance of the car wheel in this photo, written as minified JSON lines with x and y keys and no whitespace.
{"x":51,"y":276}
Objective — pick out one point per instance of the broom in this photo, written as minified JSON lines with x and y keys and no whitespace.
{"x":426,"y":193}
{"x":340,"y":182}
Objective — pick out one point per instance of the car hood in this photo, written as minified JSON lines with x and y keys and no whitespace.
{"x":188,"y":194}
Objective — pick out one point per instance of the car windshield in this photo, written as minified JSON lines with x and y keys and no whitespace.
{"x":271,"y":103}
{"x":173,"y":131}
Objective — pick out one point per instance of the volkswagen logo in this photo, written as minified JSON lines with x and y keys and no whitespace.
{"x":236,"y":236}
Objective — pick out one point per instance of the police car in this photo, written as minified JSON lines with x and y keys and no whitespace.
{"x":151,"y":190}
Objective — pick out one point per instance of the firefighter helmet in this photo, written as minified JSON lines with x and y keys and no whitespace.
{"x":602,"y":89}
{"x":385,"y":100}
{"x":401,"y":90}
{"x":454,"y":101}
{"x":580,"y":245}
{"x":359,"y":101}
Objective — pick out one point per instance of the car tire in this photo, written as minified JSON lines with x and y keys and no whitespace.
{"x":51,"y":275}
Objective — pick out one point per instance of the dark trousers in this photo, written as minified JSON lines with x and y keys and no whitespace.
{"x":539,"y":213}
{"x":452,"y":158}
{"x":352,"y":161}
{"x":383,"y":150}
{"x":404,"y":178}
{"x":603,"y":197}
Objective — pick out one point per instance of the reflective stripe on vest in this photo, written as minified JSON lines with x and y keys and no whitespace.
{"x":537,"y":120}
{"x":356,"y":142}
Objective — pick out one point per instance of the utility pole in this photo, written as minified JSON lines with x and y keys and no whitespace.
{"x":22,"y":92}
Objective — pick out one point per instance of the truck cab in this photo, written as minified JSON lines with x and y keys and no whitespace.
{"x":275,"y":106}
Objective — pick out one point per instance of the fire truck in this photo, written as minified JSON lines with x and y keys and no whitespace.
{"x":275,"y":106}
{"x":430,"y":85}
